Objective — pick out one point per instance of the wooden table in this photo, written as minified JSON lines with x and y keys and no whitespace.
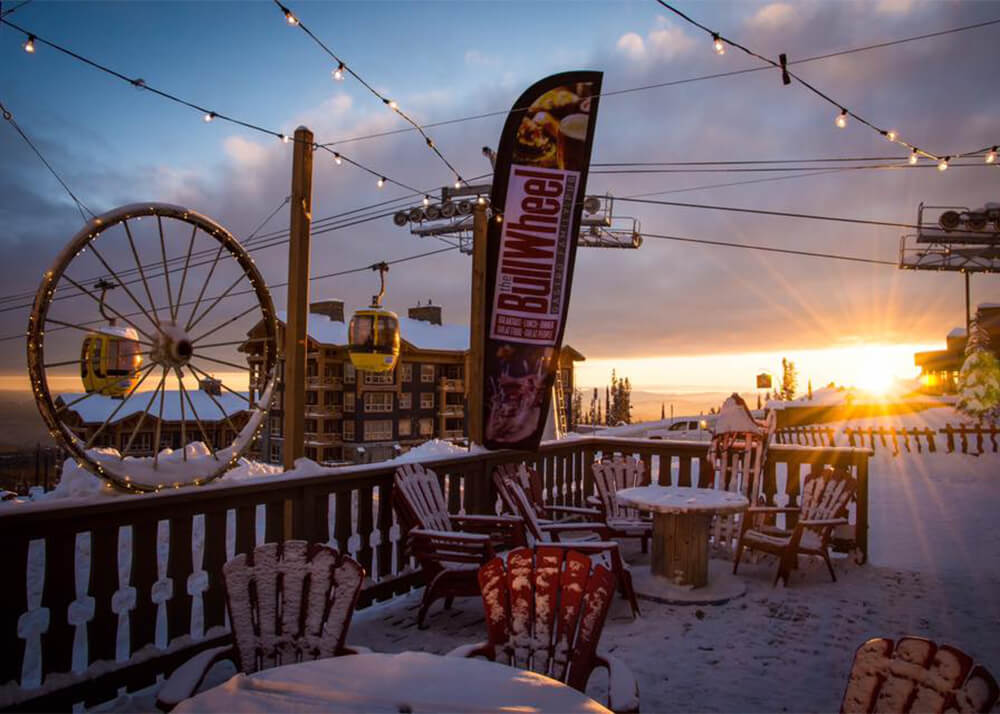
{"x":406,"y":682}
{"x":681,"y":519}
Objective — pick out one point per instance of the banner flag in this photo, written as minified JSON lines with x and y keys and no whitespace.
{"x":537,"y":198}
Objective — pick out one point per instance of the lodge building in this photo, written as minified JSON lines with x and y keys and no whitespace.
{"x":939,"y":368}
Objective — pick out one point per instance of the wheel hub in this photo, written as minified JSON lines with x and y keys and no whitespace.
{"x":173,"y":347}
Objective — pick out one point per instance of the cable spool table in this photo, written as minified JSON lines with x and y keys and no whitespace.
{"x":680,"y":571}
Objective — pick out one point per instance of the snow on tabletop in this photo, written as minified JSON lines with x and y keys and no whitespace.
{"x":682,"y":499}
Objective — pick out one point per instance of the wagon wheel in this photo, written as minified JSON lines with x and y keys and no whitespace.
{"x":177,"y":288}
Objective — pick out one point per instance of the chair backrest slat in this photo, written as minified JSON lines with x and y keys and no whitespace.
{"x":421,"y":491}
{"x":530,"y":481}
{"x":610,"y":476}
{"x":521,"y":506}
{"x":826,"y":494}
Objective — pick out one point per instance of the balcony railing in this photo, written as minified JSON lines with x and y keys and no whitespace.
{"x":63,"y":576}
{"x":451,"y":385}
{"x":451,"y":410}
{"x":317,"y":438}
{"x":317,"y":382}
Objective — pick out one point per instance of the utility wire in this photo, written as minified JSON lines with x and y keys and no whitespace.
{"x":80,"y":205}
{"x":676,"y":82}
{"x":344,"y":67}
{"x":890,"y":135}
{"x":208,"y":114}
{"x":14,"y":9}
{"x":769,"y":249}
{"x":771,"y":169}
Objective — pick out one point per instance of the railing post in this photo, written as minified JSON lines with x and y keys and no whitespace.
{"x":861,"y":536}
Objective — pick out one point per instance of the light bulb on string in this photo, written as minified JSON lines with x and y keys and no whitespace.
{"x":480,"y":200}
{"x":292,"y":20}
{"x":914,"y":157}
{"x":338,"y":74}
{"x":391,"y":103}
{"x":381,"y":181}
{"x":427,"y":201}
{"x":29,"y":45}
{"x":991,"y":156}
{"x":718,"y":44}
{"x":458,"y":183}
{"x":841,"y":120}
{"x":337,"y":159}
{"x":209,"y":117}
{"x":284,"y":139}
{"x":943,"y":164}
{"x":891,"y":135}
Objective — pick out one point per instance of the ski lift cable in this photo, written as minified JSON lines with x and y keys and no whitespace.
{"x":771,"y":249}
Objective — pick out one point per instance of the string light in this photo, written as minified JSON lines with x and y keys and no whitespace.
{"x":841,"y":120}
{"x":338,"y":74}
{"x":720,"y":46}
{"x":392,"y":104}
{"x":381,"y":181}
{"x":292,"y":20}
{"x":943,"y":164}
{"x":284,"y":138}
{"x":337,"y":159}
{"x":891,"y":135}
{"x":458,"y":183}
{"x":427,"y":201}
{"x":209,"y":117}
{"x":480,"y":200}
{"x":991,"y":155}
{"x":914,"y":156}
{"x":29,"y":45}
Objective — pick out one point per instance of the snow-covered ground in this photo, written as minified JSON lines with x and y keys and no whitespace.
{"x":934,"y":571}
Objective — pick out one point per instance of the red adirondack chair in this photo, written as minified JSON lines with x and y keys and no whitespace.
{"x":825,"y":497}
{"x":606,"y":553}
{"x":916,"y":675}
{"x":448,"y":553}
{"x":531,"y":482}
{"x":621,"y":521}
{"x":287,"y":602}
{"x":545,"y":609}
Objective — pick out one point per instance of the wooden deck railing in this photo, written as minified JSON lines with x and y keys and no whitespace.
{"x":107,"y":595}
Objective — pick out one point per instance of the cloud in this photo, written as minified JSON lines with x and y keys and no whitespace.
{"x":894,"y":7}
{"x":662,"y":44}
{"x":244,"y":152}
{"x":774,"y":15}
{"x":631,"y":45}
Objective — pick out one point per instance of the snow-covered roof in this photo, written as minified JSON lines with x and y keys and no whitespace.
{"x":957,"y":332}
{"x":418,"y":333}
{"x":97,"y":407}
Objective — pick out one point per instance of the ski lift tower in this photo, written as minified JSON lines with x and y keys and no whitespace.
{"x":954,"y":238}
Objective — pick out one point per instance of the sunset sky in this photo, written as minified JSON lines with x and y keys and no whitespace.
{"x":671,"y":315}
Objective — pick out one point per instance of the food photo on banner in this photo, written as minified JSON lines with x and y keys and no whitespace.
{"x":538,"y":191}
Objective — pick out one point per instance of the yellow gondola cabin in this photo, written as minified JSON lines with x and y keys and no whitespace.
{"x":373,"y":334}
{"x":110,"y":358}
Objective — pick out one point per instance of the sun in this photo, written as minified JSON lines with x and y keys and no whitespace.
{"x":874,"y":372}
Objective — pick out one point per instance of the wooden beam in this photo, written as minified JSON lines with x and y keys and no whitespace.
{"x":477,"y":328}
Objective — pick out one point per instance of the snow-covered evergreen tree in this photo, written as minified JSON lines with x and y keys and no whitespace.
{"x":979,"y":380}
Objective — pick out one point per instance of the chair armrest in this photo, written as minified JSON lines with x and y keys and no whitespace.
{"x":506,"y":530}
{"x":623,"y":690}
{"x":559,"y":527}
{"x":451,"y":546}
{"x":184,"y":680}
{"x":574,"y":511}
{"x":354,"y":650}
{"x":823,"y":522}
{"x":477,"y":649}
{"x":773,"y":509}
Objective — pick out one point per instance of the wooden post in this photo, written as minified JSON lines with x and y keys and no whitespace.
{"x":477,"y":328}
{"x":968,"y":314}
{"x":298,"y":298}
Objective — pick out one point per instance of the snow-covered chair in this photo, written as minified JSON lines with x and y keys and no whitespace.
{"x":545,"y":610}
{"x":287,"y":602}
{"x":531,"y":482}
{"x":619,"y":521}
{"x":736,"y":456}
{"x":606,"y":553}
{"x":825,"y":497}
{"x":450,"y":548}
{"x":916,"y":675}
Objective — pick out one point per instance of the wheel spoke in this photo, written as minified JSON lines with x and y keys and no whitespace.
{"x":219,"y":344}
{"x":180,"y":400}
{"x":221,"y":384}
{"x":166,"y":271}
{"x":142,"y":418}
{"x":187,"y":262}
{"x":93,"y":437}
{"x":121,"y":282}
{"x":117,"y":314}
{"x":216,"y":302}
{"x":88,"y":330}
{"x":64,"y":407}
{"x":201,"y":428}
{"x":208,"y":278}
{"x":159,"y":421}
{"x":222,"y":361}
{"x":142,"y":273}
{"x":224,"y":324}
{"x":222,"y":410}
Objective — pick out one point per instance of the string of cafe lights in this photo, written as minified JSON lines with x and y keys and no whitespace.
{"x":208,"y":115}
{"x":344,"y":69}
{"x":719,"y":43}
{"x":689,"y":80}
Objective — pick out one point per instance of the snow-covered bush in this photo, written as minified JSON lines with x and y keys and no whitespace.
{"x":979,"y":379}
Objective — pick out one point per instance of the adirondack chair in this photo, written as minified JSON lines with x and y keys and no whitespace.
{"x":287,"y":602}
{"x":618,"y":521}
{"x":606,"y":553}
{"x":916,"y":675}
{"x":825,"y":498}
{"x":545,"y":610}
{"x":531,"y":482}
{"x":736,"y":456}
{"x":448,"y":553}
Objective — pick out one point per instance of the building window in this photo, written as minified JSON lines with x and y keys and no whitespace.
{"x":312,"y":397}
{"x":328,"y":400}
{"x":310,"y":453}
{"x":349,"y":373}
{"x":426,"y":427}
{"x":348,"y":431}
{"x":275,"y":425}
{"x":427,"y":373}
{"x":142,"y":441}
{"x":405,"y":400}
{"x":405,"y":428}
{"x":331,"y":426}
{"x":454,"y":371}
{"x":378,"y":430}
{"x":312,"y":369}
{"x":427,"y":400}
{"x":378,"y":402}
{"x":275,"y":453}
{"x":406,"y":373}
{"x":348,"y":401}
{"x":310,"y":426}
{"x":380,"y":378}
